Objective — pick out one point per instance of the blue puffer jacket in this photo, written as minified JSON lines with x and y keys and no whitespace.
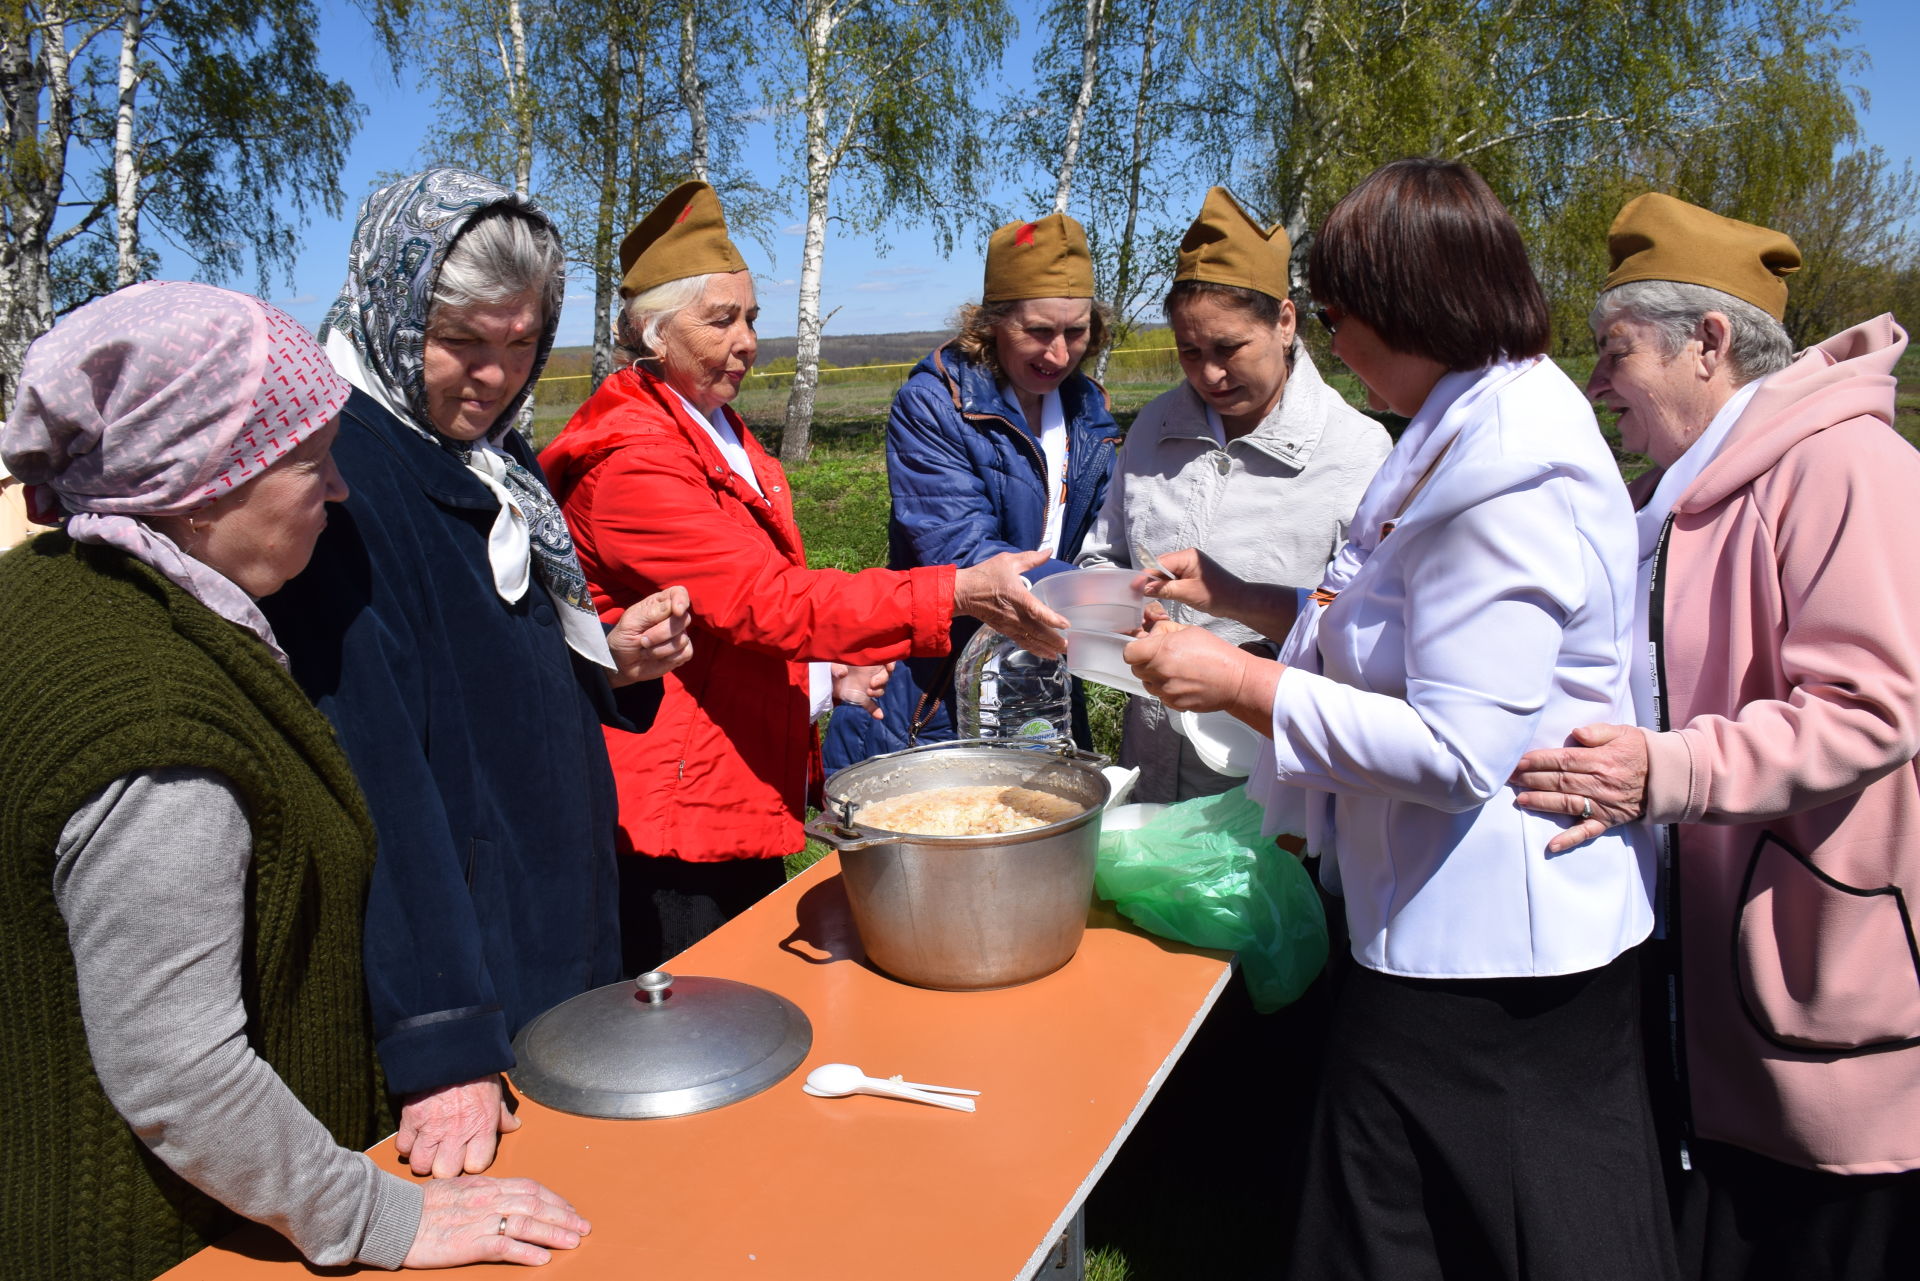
{"x":968,"y":482}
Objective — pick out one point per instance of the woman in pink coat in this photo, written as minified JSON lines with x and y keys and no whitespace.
{"x":1779,"y":719}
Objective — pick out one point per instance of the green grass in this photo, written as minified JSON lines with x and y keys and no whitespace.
{"x":1906,"y":405}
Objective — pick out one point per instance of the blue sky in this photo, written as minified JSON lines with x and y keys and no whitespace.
{"x":910,"y":285}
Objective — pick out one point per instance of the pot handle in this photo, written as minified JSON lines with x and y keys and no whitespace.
{"x":844,"y":839}
{"x":1073,"y":752}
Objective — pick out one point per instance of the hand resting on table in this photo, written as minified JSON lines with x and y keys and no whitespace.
{"x":481,"y":1220}
{"x":455,"y":1129}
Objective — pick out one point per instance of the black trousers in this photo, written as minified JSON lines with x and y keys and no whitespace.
{"x":668,"y":904}
{"x":1485,"y":1129}
{"x":1746,"y":1217}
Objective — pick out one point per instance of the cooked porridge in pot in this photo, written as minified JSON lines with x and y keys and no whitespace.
{"x":967,"y":811}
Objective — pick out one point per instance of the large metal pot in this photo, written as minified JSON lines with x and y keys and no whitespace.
{"x":963,"y":913}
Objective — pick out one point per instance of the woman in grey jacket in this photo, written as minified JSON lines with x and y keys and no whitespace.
{"x":1253,"y":459}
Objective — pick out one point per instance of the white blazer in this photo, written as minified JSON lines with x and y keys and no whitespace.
{"x":1495,"y":617}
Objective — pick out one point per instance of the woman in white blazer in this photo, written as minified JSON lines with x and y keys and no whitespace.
{"x":1483,"y":1110}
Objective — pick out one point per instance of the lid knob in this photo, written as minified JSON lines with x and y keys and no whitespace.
{"x":655,"y":986}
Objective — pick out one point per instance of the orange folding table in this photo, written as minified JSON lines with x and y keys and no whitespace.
{"x":785,"y":1186}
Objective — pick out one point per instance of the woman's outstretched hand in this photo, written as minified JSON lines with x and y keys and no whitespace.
{"x":1200,"y":582}
{"x":993,"y":592}
{"x":481,"y":1220}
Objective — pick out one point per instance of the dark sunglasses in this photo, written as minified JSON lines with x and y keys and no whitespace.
{"x":1330,"y":318}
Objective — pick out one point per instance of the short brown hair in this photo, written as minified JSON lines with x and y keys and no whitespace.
{"x":976,"y":321}
{"x":1424,"y":253}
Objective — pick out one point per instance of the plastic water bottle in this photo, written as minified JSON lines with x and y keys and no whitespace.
{"x":1006,"y":692}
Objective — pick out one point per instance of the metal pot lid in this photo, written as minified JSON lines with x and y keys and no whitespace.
{"x":660,"y":1046}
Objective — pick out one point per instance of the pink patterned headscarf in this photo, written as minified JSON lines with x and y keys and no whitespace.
{"x":155,"y":401}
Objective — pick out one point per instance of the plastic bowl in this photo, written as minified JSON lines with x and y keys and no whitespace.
{"x":1222,"y":742}
{"x":1094,"y":655}
{"x":1101,"y":618}
{"x":1111,"y":588}
{"x":1126,"y":818}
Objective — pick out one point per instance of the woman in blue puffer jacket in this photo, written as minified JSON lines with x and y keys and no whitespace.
{"x":997,"y":442}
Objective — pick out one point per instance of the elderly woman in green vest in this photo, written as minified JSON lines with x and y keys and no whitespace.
{"x":183,"y":851}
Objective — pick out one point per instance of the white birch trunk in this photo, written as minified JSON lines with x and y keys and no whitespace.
{"x":606,"y":262}
{"x":126,"y":164}
{"x":694,"y":94}
{"x":518,"y":97}
{"x":1136,"y":165}
{"x":38,"y":158}
{"x":1299,"y":230}
{"x":796,"y":440}
{"x":1076,"y":123}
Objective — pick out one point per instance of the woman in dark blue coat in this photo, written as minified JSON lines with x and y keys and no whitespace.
{"x":997,"y":442}
{"x":445,"y":629}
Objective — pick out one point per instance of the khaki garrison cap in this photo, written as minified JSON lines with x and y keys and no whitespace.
{"x":1657,"y":237}
{"x":685,"y":235}
{"x":1044,"y":259}
{"x":1226,"y":247}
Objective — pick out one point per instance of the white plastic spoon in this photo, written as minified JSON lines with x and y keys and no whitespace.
{"x":1144,"y":559}
{"x":836,"y":1080}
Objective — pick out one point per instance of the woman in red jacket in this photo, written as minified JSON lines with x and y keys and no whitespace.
{"x":664,"y":485}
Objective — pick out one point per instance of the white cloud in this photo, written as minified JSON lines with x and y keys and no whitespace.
{"x":794,"y":229}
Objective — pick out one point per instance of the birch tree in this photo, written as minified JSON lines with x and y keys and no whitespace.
{"x":693,"y":93}
{"x":610,"y":154}
{"x":208,"y":120}
{"x":126,"y":159}
{"x":1090,"y":35}
{"x":879,"y":92}
{"x":1119,"y":160}
{"x":38,"y":45}
{"x":582,"y":101}
{"x":1548,"y":98}
{"x":483,"y":57}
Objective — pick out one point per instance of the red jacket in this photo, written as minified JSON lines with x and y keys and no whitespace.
{"x":723,"y":772}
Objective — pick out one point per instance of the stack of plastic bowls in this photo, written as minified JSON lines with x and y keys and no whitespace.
{"x":1100,"y":606}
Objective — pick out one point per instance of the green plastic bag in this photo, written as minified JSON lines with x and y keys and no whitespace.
{"x":1201,"y":873}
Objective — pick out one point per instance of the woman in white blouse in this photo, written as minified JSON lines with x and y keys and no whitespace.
{"x":1483,"y":1111}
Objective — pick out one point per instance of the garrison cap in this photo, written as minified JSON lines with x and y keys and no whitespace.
{"x":1657,"y":237}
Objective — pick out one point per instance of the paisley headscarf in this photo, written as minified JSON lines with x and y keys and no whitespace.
{"x":155,"y":401}
{"x":376,"y":335}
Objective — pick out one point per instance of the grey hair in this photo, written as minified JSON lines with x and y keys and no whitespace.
{"x":637,"y":329}
{"x":1757,"y":346}
{"x":503,"y":254}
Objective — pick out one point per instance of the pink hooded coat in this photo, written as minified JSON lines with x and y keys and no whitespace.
{"x":1788,"y":602}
